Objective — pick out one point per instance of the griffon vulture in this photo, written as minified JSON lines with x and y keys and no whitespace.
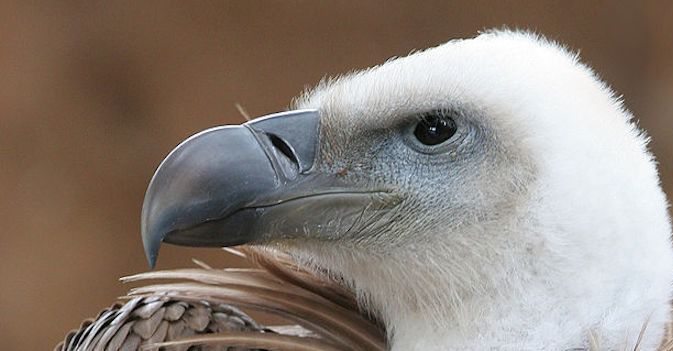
{"x":485,"y":194}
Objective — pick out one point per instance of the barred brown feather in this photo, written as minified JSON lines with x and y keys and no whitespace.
{"x":197,"y":310}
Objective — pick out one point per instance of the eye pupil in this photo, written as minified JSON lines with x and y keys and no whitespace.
{"x":434,"y":130}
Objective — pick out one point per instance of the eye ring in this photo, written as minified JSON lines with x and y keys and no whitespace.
{"x":435,"y":128}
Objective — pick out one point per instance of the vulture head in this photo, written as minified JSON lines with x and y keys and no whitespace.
{"x":489,"y":193}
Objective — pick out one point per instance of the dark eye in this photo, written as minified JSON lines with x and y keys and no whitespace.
{"x":435,"y":129}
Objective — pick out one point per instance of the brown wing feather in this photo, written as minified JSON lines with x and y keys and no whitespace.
{"x":247,"y":340}
{"x":197,"y":309}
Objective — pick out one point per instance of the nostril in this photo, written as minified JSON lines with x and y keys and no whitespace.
{"x":283,"y":147}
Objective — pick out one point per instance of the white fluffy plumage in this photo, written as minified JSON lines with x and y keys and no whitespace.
{"x":560,"y":239}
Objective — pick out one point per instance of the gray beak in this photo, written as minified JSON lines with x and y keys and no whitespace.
{"x":248,"y":183}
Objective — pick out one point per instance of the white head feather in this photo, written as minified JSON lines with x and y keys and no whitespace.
{"x":557,"y":238}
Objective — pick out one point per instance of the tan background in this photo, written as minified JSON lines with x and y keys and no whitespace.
{"x":94,"y":94}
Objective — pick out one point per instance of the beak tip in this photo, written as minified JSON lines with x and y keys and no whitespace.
{"x":151,"y":252}
{"x":151,"y":232}
{"x":151,"y":261}
{"x":151,"y":244}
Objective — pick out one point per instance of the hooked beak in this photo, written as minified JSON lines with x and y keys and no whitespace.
{"x":250,"y":183}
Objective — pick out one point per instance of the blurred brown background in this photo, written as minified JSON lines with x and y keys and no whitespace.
{"x":94,"y":94}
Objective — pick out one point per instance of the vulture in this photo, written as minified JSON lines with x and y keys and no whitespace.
{"x":490,"y":193}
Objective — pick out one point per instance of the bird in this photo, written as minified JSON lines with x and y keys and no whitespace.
{"x":490,"y":193}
